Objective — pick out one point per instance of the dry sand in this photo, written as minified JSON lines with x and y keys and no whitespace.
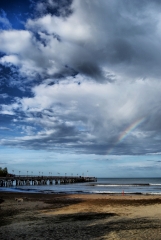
{"x":67,"y":217}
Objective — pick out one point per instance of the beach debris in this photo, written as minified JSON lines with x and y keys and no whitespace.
{"x":19,"y":200}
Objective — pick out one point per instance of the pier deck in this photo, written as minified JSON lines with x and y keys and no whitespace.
{"x":21,"y":180}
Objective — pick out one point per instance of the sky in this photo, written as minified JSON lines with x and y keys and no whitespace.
{"x":80,"y":87}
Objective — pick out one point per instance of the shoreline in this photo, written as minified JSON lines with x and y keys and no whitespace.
{"x":28,"y":191}
{"x":79,"y":216}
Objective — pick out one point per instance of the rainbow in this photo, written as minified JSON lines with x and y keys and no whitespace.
{"x":126,"y":132}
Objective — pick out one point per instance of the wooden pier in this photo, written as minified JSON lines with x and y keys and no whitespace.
{"x":21,"y":180}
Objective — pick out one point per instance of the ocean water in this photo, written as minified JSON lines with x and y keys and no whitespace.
{"x":150,"y":186}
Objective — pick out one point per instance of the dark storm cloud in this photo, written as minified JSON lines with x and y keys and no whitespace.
{"x":89,"y":69}
{"x":71,"y":140}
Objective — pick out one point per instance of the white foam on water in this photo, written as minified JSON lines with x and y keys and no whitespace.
{"x":155,"y":184}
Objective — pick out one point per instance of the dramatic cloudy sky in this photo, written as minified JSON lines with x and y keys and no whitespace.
{"x":80,"y":87}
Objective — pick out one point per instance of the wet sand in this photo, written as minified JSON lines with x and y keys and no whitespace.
{"x":78,"y":216}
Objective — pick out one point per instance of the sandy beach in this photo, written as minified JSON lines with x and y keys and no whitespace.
{"x":78,"y":216}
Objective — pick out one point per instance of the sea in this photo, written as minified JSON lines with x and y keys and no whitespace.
{"x":145,"y":186}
